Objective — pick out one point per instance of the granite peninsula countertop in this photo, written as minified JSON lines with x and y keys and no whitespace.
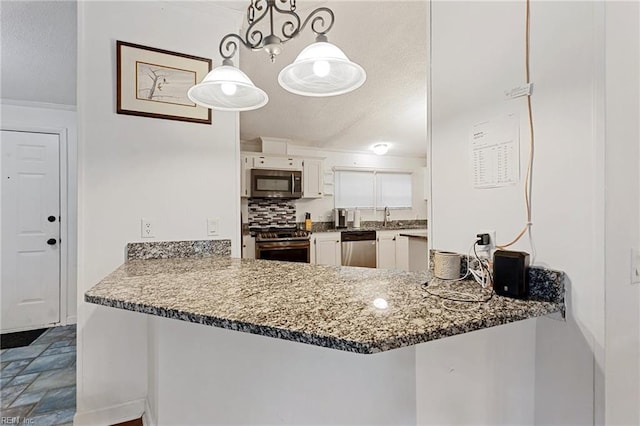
{"x":329,"y":306}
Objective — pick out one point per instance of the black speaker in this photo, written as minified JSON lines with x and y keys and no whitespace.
{"x":511,"y":273}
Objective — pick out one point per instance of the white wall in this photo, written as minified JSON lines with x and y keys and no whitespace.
{"x":50,"y":117}
{"x":481,"y":378}
{"x":622,"y":378}
{"x":234,"y":378}
{"x":132,"y":167}
{"x":321,"y":209}
{"x":477,"y":52}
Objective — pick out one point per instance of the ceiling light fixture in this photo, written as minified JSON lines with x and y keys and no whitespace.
{"x":321,"y":69}
{"x":380,"y":148}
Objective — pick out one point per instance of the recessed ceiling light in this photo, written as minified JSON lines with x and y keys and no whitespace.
{"x":380,"y":148}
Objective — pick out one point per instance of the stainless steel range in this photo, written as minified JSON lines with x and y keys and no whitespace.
{"x":287,"y":244}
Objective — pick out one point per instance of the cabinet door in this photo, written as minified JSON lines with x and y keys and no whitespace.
{"x":386,"y":251}
{"x":248,"y":247}
{"x":312,"y":178}
{"x":246,"y":162}
{"x":418,"y":254}
{"x":402,"y":253}
{"x":327,"y":249}
{"x":277,"y":163}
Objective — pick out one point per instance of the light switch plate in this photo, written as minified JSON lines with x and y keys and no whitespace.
{"x":212,"y":226}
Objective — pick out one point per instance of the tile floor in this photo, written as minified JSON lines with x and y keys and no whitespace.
{"x":38,"y":381}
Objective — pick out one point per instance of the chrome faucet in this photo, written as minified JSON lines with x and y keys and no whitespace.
{"x":387,"y":213}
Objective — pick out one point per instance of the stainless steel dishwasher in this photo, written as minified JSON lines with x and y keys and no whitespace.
{"x":358,"y":248}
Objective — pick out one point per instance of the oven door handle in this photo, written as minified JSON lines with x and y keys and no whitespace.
{"x":293,"y":185}
{"x":280,"y":246}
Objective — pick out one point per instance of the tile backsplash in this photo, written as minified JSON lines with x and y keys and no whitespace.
{"x":265,"y":212}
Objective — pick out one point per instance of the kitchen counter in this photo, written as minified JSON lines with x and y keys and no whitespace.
{"x":392,"y":225}
{"x":211,"y":373}
{"x":373,"y":225}
{"x":335,"y":307}
{"x":420,"y":234}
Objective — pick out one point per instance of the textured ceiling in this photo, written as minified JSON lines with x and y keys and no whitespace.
{"x":389,"y":40}
{"x":38,"y":51}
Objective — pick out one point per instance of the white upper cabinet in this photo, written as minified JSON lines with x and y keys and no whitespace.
{"x":277,"y":163}
{"x":312,"y":171}
{"x":312,"y":178}
{"x":246,"y":162}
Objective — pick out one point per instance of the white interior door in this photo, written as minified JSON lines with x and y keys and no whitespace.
{"x":30,"y":252}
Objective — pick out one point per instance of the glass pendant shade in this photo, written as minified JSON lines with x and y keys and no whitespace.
{"x":322,"y":69}
{"x":226,"y":88}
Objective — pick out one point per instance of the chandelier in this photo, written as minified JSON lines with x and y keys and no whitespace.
{"x":321,"y":69}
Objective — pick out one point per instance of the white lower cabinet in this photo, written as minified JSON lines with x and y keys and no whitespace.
{"x":326,"y":249}
{"x":248,"y":247}
{"x":417,"y":253}
{"x":402,"y":253}
{"x":393,"y":251}
{"x":386,"y":249}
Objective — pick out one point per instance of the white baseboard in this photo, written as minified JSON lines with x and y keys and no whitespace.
{"x":73,"y":319}
{"x":147,"y":416}
{"x":111,"y":415}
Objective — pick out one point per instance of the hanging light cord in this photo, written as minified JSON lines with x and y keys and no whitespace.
{"x":527,"y":180}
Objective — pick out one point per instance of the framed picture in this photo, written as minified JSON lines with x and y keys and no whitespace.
{"x":154,"y":83}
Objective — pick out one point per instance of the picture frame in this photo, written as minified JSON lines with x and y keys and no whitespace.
{"x":154,"y":82}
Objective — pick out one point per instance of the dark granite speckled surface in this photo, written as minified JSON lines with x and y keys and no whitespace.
{"x":327,"y":306}
{"x":170,"y":249}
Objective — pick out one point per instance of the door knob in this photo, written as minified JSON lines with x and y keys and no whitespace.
{"x":52,"y":241}
{"x":51,"y":218}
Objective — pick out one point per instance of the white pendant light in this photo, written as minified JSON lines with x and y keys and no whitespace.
{"x":322,"y":69}
{"x":227,"y":88}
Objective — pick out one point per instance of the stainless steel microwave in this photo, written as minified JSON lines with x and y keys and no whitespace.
{"x":276,"y":183}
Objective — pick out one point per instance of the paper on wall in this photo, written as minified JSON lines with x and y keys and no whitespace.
{"x":495,"y":152}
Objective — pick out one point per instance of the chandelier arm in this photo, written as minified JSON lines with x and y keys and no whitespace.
{"x":229,"y":44}
{"x":318,"y":22}
{"x":321,"y":21}
{"x":291,"y":27}
{"x":253,"y":36}
{"x":251,"y":10}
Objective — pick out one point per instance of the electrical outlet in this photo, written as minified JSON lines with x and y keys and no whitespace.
{"x":212,"y":226}
{"x":492,"y":241}
{"x":147,"y":228}
{"x":635,"y":266}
